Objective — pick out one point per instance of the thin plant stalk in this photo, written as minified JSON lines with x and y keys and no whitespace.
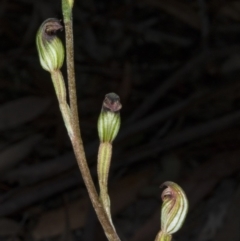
{"x":76,"y":139}
{"x":60,"y":90}
{"x":67,"y":15}
{"x":104,"y":160}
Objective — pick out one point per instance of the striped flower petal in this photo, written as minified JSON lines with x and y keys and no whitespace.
{"x":174,"y":208}
{"x":49,"y":46}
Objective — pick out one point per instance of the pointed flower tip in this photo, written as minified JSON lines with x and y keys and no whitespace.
{"x":109,"y":119}
{"x":49,"y":46}
{"x":111,"y":103}
{"x":174,"y":208}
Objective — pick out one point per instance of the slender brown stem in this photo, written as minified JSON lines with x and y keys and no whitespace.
{"x":101,"y":214}
{"x":77,"y":140}
{"x":71,"y":75}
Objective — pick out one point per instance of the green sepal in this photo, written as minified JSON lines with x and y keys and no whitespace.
{"x":109,"y":119}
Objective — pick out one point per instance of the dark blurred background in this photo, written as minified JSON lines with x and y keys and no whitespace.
{"x":176,"y":66}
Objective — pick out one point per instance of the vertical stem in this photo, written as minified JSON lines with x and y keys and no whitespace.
{"x":76,"y":139}
{"x":71,"y":74}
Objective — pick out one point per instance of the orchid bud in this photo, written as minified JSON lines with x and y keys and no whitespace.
{"x":109,"y":119}
{"x":174,"y":208}
{"x":49,"y":46}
